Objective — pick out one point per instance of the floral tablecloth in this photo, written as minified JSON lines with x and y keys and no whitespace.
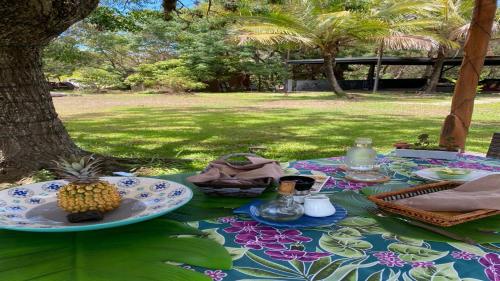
{"x":355,"y":249}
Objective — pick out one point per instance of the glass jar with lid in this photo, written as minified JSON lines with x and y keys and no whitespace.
{"x":361,"y":161}
{"x":361,"y":157}
{"x":283,"y":208}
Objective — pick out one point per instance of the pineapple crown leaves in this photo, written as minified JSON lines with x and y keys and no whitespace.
{"x":79,"y":169}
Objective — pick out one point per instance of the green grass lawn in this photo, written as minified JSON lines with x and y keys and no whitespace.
{"x":298,"y":126}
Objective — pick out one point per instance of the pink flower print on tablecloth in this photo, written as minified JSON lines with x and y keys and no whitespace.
{"x":422,"y":264}
{"x":461,"y":255}
{"x":349,"y":185}
{"x":216,"y":275}
{"x":226,"y":219}
{"x":253,"y":241}
{"x":389,"y":259}
{"x":283,"y":236}
{"x":251,"y":227}
{"x":288,"y":255}
{"x":272,"y":239}
{"x":305,"y":165}
{"x":491,"y":262}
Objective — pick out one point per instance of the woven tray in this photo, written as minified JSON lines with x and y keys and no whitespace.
{"x":384,"y":202}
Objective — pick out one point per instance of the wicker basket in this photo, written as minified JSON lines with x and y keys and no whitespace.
{"x":384,"y":202}
{"x":228,"y":190}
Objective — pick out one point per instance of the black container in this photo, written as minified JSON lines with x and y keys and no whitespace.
{"x":302,"y":183}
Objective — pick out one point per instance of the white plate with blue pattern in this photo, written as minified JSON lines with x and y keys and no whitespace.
{"x":33,"y":207}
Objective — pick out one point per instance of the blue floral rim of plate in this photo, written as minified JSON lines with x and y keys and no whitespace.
{"x":34,"y":208}
{"x":303,"y":222}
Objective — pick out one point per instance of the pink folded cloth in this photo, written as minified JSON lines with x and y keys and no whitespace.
{"x":483,"y":193}
{"x":222,"y":172}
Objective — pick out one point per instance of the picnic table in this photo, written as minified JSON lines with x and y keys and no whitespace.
{"x":357,"y":248}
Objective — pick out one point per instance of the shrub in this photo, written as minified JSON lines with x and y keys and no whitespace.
{"x":98,"y":78}
{"x":168,"y":75}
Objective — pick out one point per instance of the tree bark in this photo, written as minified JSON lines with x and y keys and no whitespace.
{"x":380,"y":53}
{"x":457,"y":123}
{"x":433,"y":80}
{"x":329,"y":62}
{"x":428,"y":68}
{"x":169,"y":7}
{"x":31,"y":134}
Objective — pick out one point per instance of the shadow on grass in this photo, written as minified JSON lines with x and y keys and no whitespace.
{"x":203,"y":134}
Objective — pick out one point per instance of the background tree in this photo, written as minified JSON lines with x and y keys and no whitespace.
{"x":32,"y":135}
{"x":454,"y":18}
{"x":63,"y":56}
{"x":165,"y":76}
{"x":406,"y":21}
{"x":98,"y":78}
{"x":325,"y":25}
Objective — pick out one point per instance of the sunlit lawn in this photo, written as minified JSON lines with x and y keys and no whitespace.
{"x":299,"y":126}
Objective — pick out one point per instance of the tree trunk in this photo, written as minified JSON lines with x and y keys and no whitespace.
{"x":31,"y":134}
{"x":370,"y":76}
{"x":457,"y":123}
{"x":169,"y":7}
{"x":380,"y":53}
{"x":428,"y":68}
{"x":329,"y":61}
{"x":400,"y":72}
{"x":433,"y":80}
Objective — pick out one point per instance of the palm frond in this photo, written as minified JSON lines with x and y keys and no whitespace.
{"x":268,"y":34}
{"x":461,"y":32}
{"x":395,"y":8}
{"x":400,"y":41}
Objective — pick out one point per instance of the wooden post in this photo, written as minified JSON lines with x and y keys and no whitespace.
{"x":456,"y":124}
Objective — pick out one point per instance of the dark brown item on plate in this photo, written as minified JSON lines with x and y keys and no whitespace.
{"x":85,"y":216}
{"x":385,"y":202}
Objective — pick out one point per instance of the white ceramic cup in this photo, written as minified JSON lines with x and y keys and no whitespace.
{"x":318,"y":206}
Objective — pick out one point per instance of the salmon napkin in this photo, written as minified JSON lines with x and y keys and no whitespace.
{"x":483,"y":193}
{"x":222,"y":172}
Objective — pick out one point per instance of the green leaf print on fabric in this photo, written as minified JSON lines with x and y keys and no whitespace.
{"x":328,"y":270}
{"x":236,"y":253}
{"x":468,"y":248}
{"x":363,"y":225}
{"x":440,"y":272}
{"x":403,"y":239}
{"x":268,"y":263}
{"x":258,"y":272}
{"x":214,"y":235}
{"x":346,"y":233}
{"x":411,"y":253}
{"x":350,"y":248}
{"x":349,"y":272}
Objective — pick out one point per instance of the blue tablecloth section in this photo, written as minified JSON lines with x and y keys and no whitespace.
{"x":355,"y":249}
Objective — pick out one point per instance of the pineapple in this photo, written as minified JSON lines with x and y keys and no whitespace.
{"x":85,"y":192}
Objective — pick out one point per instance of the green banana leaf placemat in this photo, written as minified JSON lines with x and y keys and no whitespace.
{"x":136,"y":252}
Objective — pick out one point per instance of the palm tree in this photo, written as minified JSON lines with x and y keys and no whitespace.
{"x":406,"y":21}
{"x":454,"y":19}
{"x":321,"y":25}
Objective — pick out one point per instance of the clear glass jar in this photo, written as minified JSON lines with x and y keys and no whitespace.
{"x":283,"y":208}
{"x":361,"y":157}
